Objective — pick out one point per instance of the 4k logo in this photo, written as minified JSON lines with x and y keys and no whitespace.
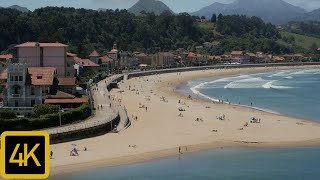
{"x":25,"y":155}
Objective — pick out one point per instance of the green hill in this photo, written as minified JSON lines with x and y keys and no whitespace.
{"x":300,"y":40}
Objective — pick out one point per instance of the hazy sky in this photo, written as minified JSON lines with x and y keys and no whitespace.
{"x":175,"y":5}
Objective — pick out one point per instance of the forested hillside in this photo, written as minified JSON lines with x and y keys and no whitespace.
{"x":309,"y":28}
{"x":248,"y":34}
{"x":85,"y":30}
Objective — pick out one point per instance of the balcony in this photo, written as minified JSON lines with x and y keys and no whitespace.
{"x":16,"y":95}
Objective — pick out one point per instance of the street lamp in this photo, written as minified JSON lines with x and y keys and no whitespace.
{"x":60,"y":110}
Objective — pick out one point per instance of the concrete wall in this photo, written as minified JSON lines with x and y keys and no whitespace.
{"x":29,"y":55}
{"x":72,"y":133}
{"x":55,"y":57}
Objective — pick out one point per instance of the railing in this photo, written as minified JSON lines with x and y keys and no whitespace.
{"x":81,"y":126}
{"x":16,"y":95}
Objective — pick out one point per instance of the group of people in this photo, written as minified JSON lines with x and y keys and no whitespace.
{"x":223,"y":117}
{"x":100,"y":107}
{"x":74,"y":151}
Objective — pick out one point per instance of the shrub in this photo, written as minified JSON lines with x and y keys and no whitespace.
{"x":46,"y":121}
{"x":7,"y":114}
{"x":43,"y":109}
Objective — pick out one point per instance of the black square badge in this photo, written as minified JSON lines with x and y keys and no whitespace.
{"x":25,"y":155}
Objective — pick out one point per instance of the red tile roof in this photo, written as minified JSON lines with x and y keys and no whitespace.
{"x":237,"y":53}
{"x":83,"y":99}
{"x":113,"y":51}
{"x":85,"y":62}
{"x":94,"y":54}
{"x":61,"y":95}
{"x":106,"y":59}
{"x":193,"y":55}
{"x":251,"y":54}
{"x":33,"y":44}
{"x":5,"y":56}
{"x":71,"y":54}
{"x":67,"y":81}
{"x":42,"y":75}
{"x":278,"y":58}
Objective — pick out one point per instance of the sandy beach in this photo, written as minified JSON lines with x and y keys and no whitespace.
{"x":158,"y":131}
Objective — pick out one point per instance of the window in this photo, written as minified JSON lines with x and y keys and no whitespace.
{"x":33,"y":102}
{"x":16,"y":103}
{"x":32,"y":91}
{"x":16,"y":78}
{"x":20,"y":78}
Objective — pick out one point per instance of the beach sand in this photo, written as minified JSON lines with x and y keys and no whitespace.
{"x":159,"y":131}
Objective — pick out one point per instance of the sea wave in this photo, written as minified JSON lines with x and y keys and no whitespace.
{"x":307,"y":71}
{"x":280,"y":74}
{"x":195,"y":91}
{"x":270,"y":85}
{"x":253,"y":82}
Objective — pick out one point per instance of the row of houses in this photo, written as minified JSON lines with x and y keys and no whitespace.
{"x":37,"y":73}
{"x":123,"y":60}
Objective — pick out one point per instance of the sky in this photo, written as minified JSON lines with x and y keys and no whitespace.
{"x":176,"y":5}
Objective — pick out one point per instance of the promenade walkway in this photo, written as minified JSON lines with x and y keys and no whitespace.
{"x":104,"y":114}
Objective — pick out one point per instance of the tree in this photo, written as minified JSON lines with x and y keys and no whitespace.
{"x":314,"y":48}
{"x":43,"y":109}
{"x":220,"y":16}
{"x":214,"y":18}
{"x":203,"y":17}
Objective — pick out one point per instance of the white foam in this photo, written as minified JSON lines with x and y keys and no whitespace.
{"x":270,"y":85}
{"x":280,"y":74}
{"x":289,"y":77}
{"x":195,"y":91}
{"x":307,"y":71}
{"x":253,"y":82}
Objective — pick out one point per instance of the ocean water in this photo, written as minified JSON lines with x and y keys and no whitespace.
{"x":235,"y":163}
{"x":290,"y":92}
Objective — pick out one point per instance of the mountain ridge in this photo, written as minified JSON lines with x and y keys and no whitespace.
{"x":19,"y":8}
{"x":154,"y":6}
{"x":274,"y":11}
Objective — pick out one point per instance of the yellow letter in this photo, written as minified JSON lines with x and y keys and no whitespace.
{"x":31,"y":154}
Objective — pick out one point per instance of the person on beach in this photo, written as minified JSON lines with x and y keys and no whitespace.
{"x":51,"y":154}
{"x":180,"y":150}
